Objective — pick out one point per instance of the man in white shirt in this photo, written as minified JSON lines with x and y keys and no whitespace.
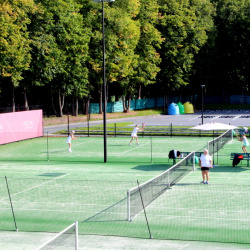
{"x":205,"y":164}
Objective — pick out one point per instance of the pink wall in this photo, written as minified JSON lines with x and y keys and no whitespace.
{"x":20,"y":126}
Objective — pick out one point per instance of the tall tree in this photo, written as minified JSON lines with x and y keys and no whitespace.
{"x":225,"y":63}
{"x":150,"y":40}
{"x":184,"y":25}
{"x":15,"y":48}
{"x":60,"y":51}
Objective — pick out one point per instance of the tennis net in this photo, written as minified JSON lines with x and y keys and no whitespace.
{"x":216,"y":144}
{"x":66,"y":239}
{"x":153,"y":188}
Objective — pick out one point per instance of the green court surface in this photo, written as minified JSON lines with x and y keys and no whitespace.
{"x":48,"y":196}
{"x":90,"y":149}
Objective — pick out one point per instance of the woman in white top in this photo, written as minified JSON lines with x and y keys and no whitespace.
{"x":205,"y":164}
{"x":71,"y":137}
{"x":245,"y":142}
{"x":134,"y":134}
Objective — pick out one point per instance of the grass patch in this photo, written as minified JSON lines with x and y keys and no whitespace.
{"x":95,"y":117}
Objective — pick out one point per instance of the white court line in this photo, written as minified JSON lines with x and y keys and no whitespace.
{"x":68,"y":211}
{"x":66,"y":147}
{"x":237,"y":117}
{"x":205,"y":209}
{"x":194,"y":118}
{"x":133,"y":148}
{"x":34,"y":187}
{"x":216,"y":117}
{"x":192,"y":217}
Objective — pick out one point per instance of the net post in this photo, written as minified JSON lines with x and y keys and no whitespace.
{"x":76,"y":235}
{"x":128,"y":204}
{"x":115,"y":129}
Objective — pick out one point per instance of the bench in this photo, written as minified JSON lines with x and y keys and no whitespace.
{"x":184,"y":154}
{"x":246,"y":157}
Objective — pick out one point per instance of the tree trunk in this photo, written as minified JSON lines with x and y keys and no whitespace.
{"x":100,"y":100}
{"x":107,"y":88}
{"x":124,"y":104}
{"x":13,"y":99}
{"x":52,"y":102}
{"x":76,"y":106}
{"x":73,"y":111}
{"x":61,"y":103}
{"x":87,"y":106}
{"x":139,"y":91}
{"x":26,"y":105}
{"x":129,"y":101}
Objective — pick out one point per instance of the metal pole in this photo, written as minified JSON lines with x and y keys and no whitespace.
{"x":144,"y":210}
{"x":104,"y":88}
{"x":11,"y":203}
{"x":76,"y":236}
{"x":202,"y":103}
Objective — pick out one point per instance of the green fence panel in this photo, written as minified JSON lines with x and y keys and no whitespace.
{"x":150,"y":103}
{"x":118,"y":107}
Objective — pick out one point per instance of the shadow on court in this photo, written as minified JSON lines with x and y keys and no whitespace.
{"x":153,"y":167}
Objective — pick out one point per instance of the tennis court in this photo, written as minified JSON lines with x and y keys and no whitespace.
{"x":48,"y":196}
{"x":90,"y":149}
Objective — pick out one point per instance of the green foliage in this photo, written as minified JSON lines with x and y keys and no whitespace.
{"x":15,"y":48}
{"x":57,"y":45}
{"x":184,"y":25}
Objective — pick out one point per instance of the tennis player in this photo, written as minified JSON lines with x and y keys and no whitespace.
{"x":245,"y":142}
{"x":205,"y":164}
{"x":134,"y":134}
{"x":71,"y":137}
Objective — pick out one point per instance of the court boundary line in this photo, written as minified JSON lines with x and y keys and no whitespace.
{"x":34,"y":187}
{"x":65,"y":147}
{"x":139,"y":146}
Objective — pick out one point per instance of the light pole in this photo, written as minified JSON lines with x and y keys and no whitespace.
{"x":104,"y":79}
{"x":202,"y":103}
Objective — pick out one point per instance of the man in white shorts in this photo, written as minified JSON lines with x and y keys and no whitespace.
{"x":134,"y":134}
{"x":71,"y":137}
{"x":205,"y":164}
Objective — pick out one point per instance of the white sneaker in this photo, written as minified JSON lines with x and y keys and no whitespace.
{"x":207,"y":182}
{"x":129,"y":144}
{"x":70,"y":150}
{"x":137,"y":144}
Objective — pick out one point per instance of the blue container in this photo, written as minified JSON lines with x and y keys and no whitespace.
{"x":173,"y":109}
